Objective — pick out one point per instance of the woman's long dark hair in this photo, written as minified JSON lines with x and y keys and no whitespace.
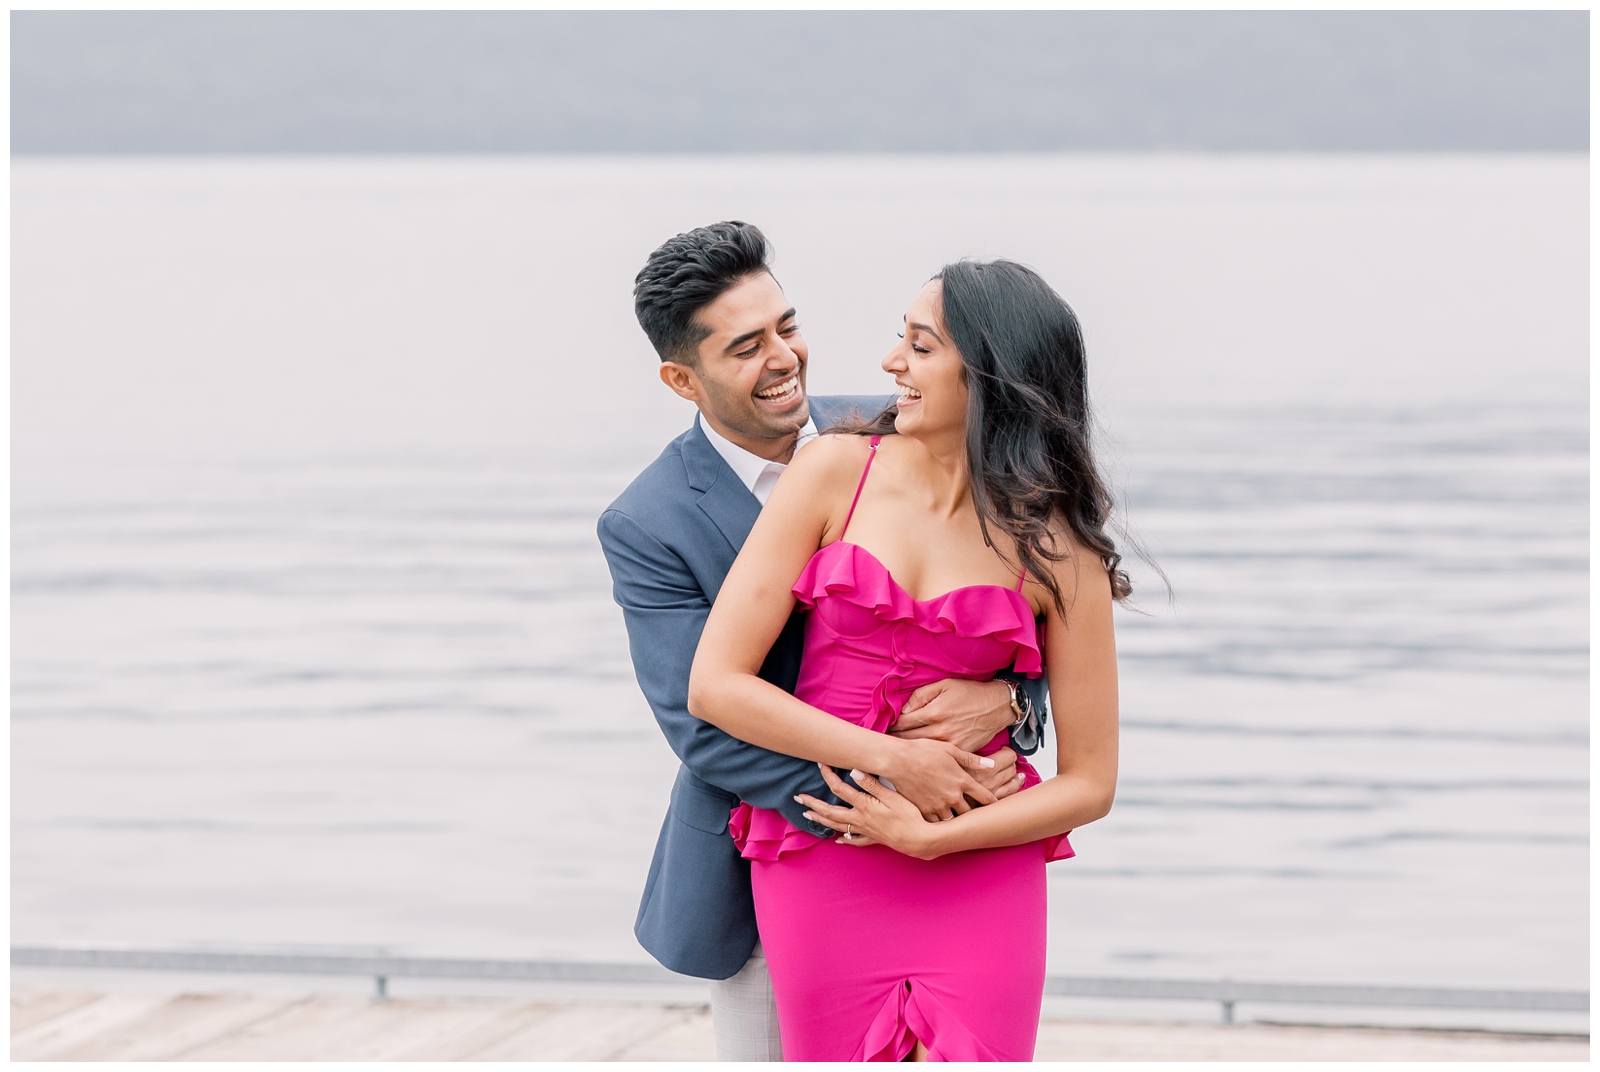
{"x":1029,"y":453}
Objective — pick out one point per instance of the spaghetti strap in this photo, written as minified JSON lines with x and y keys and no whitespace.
{"x":872,"y":452}
{"x":1022,"y":579}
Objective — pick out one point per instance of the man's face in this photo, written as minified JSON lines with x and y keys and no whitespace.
{"x":750,"y":374}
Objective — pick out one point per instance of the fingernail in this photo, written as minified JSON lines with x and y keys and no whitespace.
{"x":810,"y":816}
{"x":986,"y":763}
{"x":797,"y":799}
{"x":857,"y":775}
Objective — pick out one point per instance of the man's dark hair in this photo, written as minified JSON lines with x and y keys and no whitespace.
{"x":689,"y":272}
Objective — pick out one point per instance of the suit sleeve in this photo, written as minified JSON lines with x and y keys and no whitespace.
{"x":1027,"y":735}
{"x":665,"y":610}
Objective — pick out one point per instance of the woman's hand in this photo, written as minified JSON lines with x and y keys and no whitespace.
{"x":877,"y":816}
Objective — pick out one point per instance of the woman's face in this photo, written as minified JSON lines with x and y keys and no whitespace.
{"x":927,"y":367}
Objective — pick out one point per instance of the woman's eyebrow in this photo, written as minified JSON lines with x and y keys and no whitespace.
{"x":924,"y":327}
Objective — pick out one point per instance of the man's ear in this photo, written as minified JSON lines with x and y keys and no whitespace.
{"x":682,"y":380}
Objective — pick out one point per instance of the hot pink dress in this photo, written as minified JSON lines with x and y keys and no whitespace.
{"x":870,"y":949}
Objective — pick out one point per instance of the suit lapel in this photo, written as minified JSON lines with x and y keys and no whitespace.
{"x":723,"y":497}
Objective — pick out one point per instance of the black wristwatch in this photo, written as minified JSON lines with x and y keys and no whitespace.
{"x":1020,"y":703}
{"x":1028,"y":727}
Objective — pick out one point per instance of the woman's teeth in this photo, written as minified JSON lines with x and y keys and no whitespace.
{"x":780,"y":392}
{"x":909,"y":394}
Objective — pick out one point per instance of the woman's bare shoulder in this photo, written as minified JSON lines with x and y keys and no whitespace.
{"x":817,"y":482}
{"x":1079,"y":571}
{"x":832,"y":456}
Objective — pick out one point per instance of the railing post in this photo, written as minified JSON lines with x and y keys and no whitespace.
{"x":1227,"y":1012}
{"x":382,"y":993}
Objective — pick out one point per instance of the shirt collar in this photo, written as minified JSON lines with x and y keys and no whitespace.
{"x":746,"y":466}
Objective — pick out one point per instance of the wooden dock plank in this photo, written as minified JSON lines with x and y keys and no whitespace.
{"x":395,"y":1029}
{"x":44,"y":1040}
{"x":1112,"y":1041}
{"x":691,"y":1039}
{"x":464,"y":1042}
{"x":585,"y":1033}
{"x":301,"y":1032}
{"x":169,"y":1031}
{"x":29,"y":1007}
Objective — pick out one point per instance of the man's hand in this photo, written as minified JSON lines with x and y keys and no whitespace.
{"x":938,"y":778}
{"x":966,"y":714}
{"x":1003,"y":778}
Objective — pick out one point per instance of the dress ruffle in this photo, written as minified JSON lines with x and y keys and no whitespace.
{"x":1058,"y":847}
{"x":910,"y":1012}
{"x":764,"y":834}
{"x":852,"y":573}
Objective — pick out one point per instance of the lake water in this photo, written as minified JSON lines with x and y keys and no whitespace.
{"x":312,"y":641}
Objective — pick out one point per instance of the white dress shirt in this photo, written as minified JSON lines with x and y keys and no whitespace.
{"x":758,"y":474}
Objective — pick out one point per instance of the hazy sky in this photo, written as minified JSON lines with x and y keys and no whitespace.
{"x":532,"y":81}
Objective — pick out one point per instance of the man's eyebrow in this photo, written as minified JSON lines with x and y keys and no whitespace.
{"x":740,"y":340}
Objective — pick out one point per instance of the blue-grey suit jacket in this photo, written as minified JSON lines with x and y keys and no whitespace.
{"x":670,"y":540}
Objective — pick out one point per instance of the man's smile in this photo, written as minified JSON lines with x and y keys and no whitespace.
{"x":782,"y":394}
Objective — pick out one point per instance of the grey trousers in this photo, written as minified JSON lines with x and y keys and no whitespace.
{"x":744,"y":1014}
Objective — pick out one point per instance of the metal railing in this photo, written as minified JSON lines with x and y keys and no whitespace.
{"x":1228,"y":992}
{"x":382,"y":967}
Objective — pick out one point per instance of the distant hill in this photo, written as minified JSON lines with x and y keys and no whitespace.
{"x":662,"y":81}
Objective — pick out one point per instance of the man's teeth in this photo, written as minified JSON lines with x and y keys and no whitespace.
{"x":778,"y":390}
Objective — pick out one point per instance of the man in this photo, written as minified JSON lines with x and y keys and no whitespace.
{"x":729,"y":342}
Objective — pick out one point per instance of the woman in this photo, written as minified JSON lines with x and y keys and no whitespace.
{"x":959,"y":533}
